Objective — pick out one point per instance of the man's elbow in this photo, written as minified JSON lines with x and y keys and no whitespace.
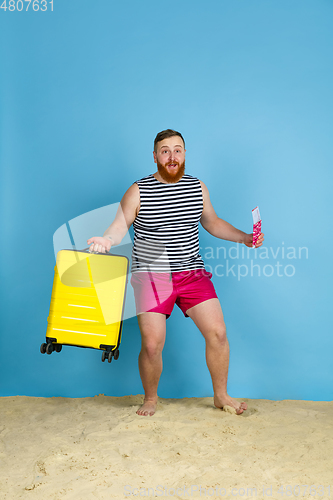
{"x":208,"y":226}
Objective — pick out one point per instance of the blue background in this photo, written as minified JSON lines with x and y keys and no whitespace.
{"x":84,"y":90}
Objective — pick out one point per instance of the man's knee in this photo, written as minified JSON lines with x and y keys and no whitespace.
{"x":217,"y":334}
{"x":152,"y":348}
{"x":152,"y":328}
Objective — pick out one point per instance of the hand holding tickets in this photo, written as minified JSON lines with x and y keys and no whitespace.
{"x":256,"y":225}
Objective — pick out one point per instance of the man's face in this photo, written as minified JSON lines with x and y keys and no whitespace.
{"x":170,"y":158}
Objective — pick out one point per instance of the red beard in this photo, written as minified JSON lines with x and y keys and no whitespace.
{"x":171,"y":177}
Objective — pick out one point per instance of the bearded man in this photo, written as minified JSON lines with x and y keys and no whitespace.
{"x":165,"y":209}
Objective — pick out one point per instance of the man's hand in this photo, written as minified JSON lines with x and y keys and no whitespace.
{"x":248,"y":241}
{"x":99,"y":244}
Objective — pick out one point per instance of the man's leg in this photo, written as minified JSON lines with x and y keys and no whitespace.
{"x":208,"y":317}
{"x":153,"y":328}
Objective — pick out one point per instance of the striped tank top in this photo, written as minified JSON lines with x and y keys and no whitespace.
{"x":166,"y":233}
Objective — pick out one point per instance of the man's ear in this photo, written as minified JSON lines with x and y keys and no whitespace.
{"x":155,"y":158}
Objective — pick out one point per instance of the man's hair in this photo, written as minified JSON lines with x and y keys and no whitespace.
{"x":165,"y":134}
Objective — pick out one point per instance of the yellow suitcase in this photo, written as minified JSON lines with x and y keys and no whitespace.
{"x":87,"y":302}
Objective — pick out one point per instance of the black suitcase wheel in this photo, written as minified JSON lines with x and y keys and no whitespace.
{"x":103,"y":356}
{"x":110,"y":357}
{"x":58,"y":347}
{"x":116,"y":353}
{"x":49,"y":349}
{"x":43,"y":348}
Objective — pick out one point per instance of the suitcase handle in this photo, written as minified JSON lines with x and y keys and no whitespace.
{"x":87,"y":249}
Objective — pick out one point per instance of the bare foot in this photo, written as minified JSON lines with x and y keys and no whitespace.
{"x":148,"y":408}
{"x":230,"y":405}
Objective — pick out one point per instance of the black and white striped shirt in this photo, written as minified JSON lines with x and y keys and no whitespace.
{"x":166,"y":227}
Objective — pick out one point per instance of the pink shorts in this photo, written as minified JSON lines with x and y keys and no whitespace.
{"x":158,"y":292}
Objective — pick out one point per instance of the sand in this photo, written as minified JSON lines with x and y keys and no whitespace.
{"x":61,"y":448}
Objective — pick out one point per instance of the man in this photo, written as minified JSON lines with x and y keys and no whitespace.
{"x":165,"y":209}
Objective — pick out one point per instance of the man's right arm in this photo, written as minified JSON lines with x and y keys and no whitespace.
{"x":127,"y":211}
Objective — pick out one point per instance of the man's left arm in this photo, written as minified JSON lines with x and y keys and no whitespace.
{"x":220,"y":228}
